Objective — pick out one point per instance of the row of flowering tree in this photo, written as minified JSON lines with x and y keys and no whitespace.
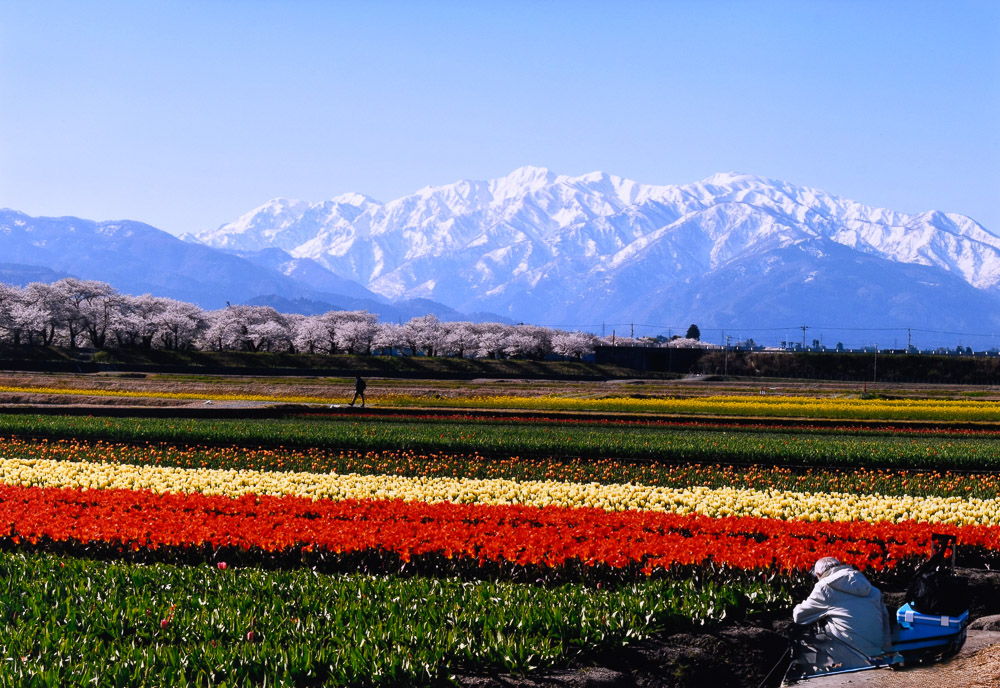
{"x":84,"y":313}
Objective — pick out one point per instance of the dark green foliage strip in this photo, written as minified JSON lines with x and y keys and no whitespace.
{"x":538,"y":439}
{"x":68,"y":622}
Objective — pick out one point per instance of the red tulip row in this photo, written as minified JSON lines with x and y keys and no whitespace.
{"x":521,"y":535}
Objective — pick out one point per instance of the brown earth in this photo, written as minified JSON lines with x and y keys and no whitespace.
{"x":976,"y":666}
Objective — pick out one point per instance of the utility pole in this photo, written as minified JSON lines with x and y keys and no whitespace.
{"x":909,"y":340}
{"x":631,"y":331}
{"x":725,"y":368}
{"x":875,"y":372}
{"x":804,"y":328}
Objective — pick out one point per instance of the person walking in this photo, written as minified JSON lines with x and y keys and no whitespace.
{"x":359,"y":391}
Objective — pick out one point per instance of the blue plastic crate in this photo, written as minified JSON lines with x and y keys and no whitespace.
{"x":918,"y":631}
{"x":929,"y":624}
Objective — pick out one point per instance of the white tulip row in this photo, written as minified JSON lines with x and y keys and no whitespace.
{"x":715,"y":502}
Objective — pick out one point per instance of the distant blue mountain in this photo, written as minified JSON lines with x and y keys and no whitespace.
{"x":136,"y":258}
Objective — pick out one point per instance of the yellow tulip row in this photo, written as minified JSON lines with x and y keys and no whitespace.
{"x":751,"y":405}
{"x":715,"y":502}
{"x":156,"y":394}
{"x":754,"y":400}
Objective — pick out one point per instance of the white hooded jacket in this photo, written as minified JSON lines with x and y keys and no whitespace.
{"x":850,"y":608}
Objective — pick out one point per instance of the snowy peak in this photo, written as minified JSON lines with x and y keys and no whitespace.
{"x":281,"y":211}
{"x":355,"y":199}
{"x":735,"y":179}
{"x":519,"y":182}
{"x":258,"y":229}
{"x":524,"y":243}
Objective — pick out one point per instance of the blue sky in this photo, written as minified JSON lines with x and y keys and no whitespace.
{"x":187,"y":114}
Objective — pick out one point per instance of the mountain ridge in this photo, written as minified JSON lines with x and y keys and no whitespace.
{"x":518,"y":244}
{"x":732,"y":251}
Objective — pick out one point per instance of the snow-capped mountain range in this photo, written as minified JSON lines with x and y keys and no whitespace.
{"x":732,"y":250}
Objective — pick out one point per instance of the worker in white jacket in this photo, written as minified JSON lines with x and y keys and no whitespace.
{"x":852,"y":623}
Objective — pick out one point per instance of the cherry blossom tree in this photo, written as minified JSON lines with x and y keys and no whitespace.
{"x":616,"y":340}
{"x":247,"y":328}
{"x":63,"y":312}
{"x":292,"y":321}
{"x":25,"y":318}
{"x":573,"y":344}
{"x":386,"y":338}
{"x":489,"y":339}
{"x":49,"y":302}
{"x":137,"y":320}
{"x":458,"y":339}
{"x":90,"y":306}
{"x":684,"y":343}
{"x":9,"y":298}
{"x":270,"y":333}
{"x":181,"y":324}
{"x":310,"y":335}
{"x":527,"y":341}
{"x":422,"y":334}
{"x":332,"y":322}
{"x":355,"y":332}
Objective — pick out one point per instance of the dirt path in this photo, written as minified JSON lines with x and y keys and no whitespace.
{"x":976,"y":666}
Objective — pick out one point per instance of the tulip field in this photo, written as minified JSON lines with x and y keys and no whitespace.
{"x":341,"y":547}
